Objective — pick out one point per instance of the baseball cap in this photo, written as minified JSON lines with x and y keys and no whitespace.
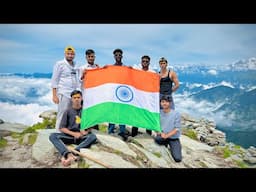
{"x":69,"y":48}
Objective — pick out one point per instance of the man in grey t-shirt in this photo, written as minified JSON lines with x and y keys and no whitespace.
{"x":171,"y":128}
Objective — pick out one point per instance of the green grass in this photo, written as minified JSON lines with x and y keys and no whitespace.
{"x":102,"y":128}
{"x":3,"y":142}
{"x":82,"y":164}
{"x":191,"y":133}
{"x":41,"y":125}
{"x":227,"y":152}
{"x":241,"y":164}
{"x":157,"y":154}
{"x":32,"y":139}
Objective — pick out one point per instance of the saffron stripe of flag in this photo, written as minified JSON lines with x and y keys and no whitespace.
{"x":121,"y":95}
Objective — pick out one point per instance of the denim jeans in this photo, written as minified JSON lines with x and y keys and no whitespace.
{"x":111,"y":128}
{"x":175,"y":147}
{"x":60,"y":139}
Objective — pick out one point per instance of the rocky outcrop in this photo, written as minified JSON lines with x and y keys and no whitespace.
{"x":205,"y":130}
{"x":208,"y":149}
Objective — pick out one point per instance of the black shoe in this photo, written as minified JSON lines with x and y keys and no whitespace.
{"x":124,"y":136}
{"x":134,"y":131}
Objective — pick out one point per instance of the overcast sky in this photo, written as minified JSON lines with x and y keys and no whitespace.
{"x":36,"y":47}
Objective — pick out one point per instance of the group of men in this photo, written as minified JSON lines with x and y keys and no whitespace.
{"x":66,"y":88}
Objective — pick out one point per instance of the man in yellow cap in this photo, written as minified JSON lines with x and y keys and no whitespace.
{"x":64,"y":81}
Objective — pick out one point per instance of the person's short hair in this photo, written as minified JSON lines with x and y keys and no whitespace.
{"x":69,"y":48}
{"x":145,"y":57}
{"x":166,"y":98}
{"x":89,"y":52}
{"x":75,"y":92}
{"x":162,"y":59}
{"x":118,"y":51}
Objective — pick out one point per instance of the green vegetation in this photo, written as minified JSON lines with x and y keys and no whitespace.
{"x":191,"y":133}
{"x":82,"y":164}
{"x":157,"y":154}
{"x":136,"y":143}
{"x":41,"y":125}
{"x":3,"y":142}
{"x":102,"y":128}
{"x":32,"y":139}
{"x":202,"y":164}
{"x":117,"y":152}
{"x":241,"y":164}
{"x":32,"y":129}
{"x":227,"y":152}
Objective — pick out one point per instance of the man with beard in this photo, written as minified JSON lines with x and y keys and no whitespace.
{"x":64,"y":81}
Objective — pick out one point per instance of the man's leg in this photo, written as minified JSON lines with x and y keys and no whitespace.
{"x":175,"y":148}
{"x":59,"y":140}
{"x":111,"y":128}
{"x":148,"y":131}
{"x":134,"y":131}
{"x":86,"y":141}
{"x":64,"y":104}
{"x":159,"y":140}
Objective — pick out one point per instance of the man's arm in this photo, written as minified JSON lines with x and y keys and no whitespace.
{"x":171,"y":133}
{"x":55,"y":98}
{"x":72,"y":133}
{"x":54,"y":82}
{"x":175,"y":79}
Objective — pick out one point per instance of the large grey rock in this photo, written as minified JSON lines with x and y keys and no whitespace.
{"x":43,"y":150}
{"x":14,"y":127}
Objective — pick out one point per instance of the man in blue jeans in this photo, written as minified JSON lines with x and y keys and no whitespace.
{"x":171,"y":128}
{"x":70,"y":132}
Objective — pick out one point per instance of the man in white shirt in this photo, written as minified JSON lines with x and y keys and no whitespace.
{"x":90,"y":58}
{"x":145,"y":61}
{"x":64,"y":81}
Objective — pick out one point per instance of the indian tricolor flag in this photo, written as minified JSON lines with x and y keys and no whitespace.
{"x":121,"y":95}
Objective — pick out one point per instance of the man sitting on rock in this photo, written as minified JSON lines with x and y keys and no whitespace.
{"x":70,"y":131}
{"x":171,"y":128}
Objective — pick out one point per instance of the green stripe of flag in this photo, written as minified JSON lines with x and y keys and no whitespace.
{"x":118,"y":113}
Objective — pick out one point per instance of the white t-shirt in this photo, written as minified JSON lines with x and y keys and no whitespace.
{"x":82,"y":68}
{"x":140,"y":68}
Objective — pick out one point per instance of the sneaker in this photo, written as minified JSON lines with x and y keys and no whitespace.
{"x":124,"y":136}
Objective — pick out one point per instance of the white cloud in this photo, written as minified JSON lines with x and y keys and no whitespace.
{"x":26,"y":114}
{"x":212,"y":72}
{"x":202,"y":109}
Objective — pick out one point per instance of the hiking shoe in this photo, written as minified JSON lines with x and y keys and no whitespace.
{"x":124,"y":136}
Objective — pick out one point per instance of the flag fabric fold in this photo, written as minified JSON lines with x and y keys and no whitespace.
{"x":121,"y":95}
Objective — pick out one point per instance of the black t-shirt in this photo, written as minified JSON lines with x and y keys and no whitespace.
{"x":71,"y":119}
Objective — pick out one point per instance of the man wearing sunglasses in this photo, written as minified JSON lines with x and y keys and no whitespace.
{"x":145,"y":62}
{"x":118,"y":55}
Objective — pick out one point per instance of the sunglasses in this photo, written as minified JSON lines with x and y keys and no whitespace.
{"x":116,"y":55}
{"x":145,"y":61}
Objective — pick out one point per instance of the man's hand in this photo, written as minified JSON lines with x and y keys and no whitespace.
{"x":84,"y":73}
{"x":55,"y":99}
{"x":164,"y":135}
{"x":77,"y":135}
{"x":85,"y":132}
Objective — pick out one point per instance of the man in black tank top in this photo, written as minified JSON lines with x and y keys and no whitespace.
{"x":168,"y":78}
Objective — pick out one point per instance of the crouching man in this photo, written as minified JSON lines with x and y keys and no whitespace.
{"x":171,"y":128}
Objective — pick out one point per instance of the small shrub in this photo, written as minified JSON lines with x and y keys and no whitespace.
{"x":157,"y":154}
{"x":191,"y":133}
{"x":102,"y":128}
{"x":3,"y":142}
